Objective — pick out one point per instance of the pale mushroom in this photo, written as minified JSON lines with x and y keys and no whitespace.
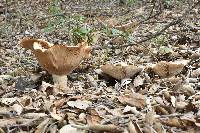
{"x":168,"y":69}
{"x":58,"y":60}
{"x":120,"y":71}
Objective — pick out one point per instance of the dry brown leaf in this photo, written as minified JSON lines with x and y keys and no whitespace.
{"x":179,"y":123}
{"x":25,"y":100}
{"x":18,"y":108}
{"x":131,"y":128}
{"x":6,"y":122}
{"x":59,"y":103}
{"x":93,"y":119}
{"x":45,"y":86}
{"x":118,"y":40}
{"x":181,"y":105}
{"x":70,"y":129}
{"x":42,"y":126}
{"x":188,"y":90}
{"x":161,"y":110}
{"x":138,"y":81}
{"x":195,"y":73}
{"x":150,"y":118}
{"x":56,"y":116}
{"x":158,"y":127}
{"x":167,"y":69}
{"x":120,"y":72}
{"x":133,"y":110}
{"x":111,"y":22}
{"x":133,"y":99}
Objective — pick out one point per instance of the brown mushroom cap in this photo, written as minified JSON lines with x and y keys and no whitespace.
{"x":57,"y":59}
{"x":27,"y":43}
{"x":120,"y":72}
{"x":167,"y":69}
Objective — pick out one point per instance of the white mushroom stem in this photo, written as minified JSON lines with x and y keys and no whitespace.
{"x":60,"y":81}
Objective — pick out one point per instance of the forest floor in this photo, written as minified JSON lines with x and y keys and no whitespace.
{"x":143,"y":75}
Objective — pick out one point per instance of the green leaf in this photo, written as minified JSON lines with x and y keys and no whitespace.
{"x":130,"y":38}
{"x":116,"y":32}
{"x":165,"y":50}
{"x":84,"y":30}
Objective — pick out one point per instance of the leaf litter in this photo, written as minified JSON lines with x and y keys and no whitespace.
{"x":143,"y":75}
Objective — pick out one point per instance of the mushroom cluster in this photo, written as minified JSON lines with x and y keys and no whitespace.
{"x":58,"y":60}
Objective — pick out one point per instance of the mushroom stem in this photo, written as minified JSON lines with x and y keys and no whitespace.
{"x":60,"y":81}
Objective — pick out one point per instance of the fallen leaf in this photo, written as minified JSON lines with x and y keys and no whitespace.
{"x":56,"y":116}
{"x":131,"y":109}
{"x":18,"y":108}
{"x":134,"y":99}
{"x":79,"y":104}
{"x":138,"y":81}
{"x":195,"y":73}
{"x":134,"y":127}
{"x":70,"y":129}
{"x":173,"y":101}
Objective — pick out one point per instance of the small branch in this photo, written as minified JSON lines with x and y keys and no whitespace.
{"x":99,"y":127}
{"x":54,"y":15}
{"x":6,"y":11}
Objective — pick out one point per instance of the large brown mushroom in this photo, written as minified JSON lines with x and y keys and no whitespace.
{"x":58,"y":60}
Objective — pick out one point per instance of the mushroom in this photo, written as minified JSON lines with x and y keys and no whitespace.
{"x":58,"y":60}
{"x":120,"y":71}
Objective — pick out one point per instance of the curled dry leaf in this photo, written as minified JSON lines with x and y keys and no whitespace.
{"x":187,"y":89}
{"x":173,"y":101}
{"x":181,"y":105}
{"x":70,"y":129}
{"x":195,"y":73}
{"x":119,"y":71}
{"x":79,"y":104}
{"x":18,"y":108}
{"x":150,"y":118}
{"x":179,"y":123}
{"x":56,"y":116}
{"x":131,"y":109}
{"x":138,"y":81}
{"x":133,"y":99}
{"x":168,"y":69}
{"x":43,"y":125}
{"x":133,"y":128}
{"x":25,"y":100}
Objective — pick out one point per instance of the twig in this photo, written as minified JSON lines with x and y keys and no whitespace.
{"x":6,"y":11}
{"x":170,"y":115}
{"x":54,"y":15}
{"x":99,"y":127}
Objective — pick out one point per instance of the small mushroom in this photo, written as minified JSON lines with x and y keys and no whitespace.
{"x":58,"y":60}
{"x":119,"y":71}
{"x":168,"y":69}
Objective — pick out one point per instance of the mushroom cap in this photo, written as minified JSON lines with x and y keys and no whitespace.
{"x":119,"y":71}
{"x":27,"y":43}
{"x":57,"y":59}
{"x":168,"y":69}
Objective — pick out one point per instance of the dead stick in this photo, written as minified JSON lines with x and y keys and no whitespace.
{"x":99,"y":127}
